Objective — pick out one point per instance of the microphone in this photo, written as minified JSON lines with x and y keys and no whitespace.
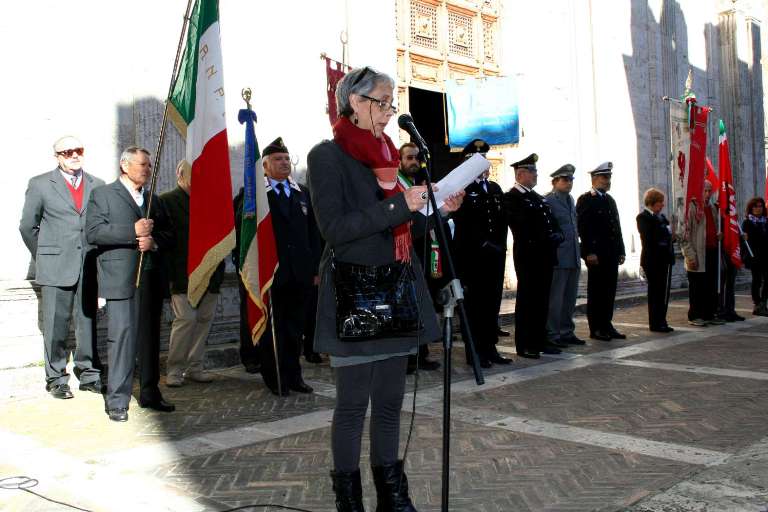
{"x":405,"y":122}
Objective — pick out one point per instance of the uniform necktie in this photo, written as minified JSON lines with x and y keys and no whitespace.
{"x":282,"y":198}
{"x":485,"y":185}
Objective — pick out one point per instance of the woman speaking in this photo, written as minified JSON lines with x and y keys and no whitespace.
{"x":373,"y":308}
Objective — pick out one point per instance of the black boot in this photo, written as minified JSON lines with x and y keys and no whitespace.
{"x":391,"y":490}
{"x":349,"y":491}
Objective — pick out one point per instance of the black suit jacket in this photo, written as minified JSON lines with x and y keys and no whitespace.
{"x":296,"y":236}
{"x":599,"y":227}
{"x":534,"y":229}
{"x":110,"y":220}
{"x":656,"y":239}
{"x":176,"y":206}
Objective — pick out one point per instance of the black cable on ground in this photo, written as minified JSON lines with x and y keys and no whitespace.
{"x":25,"y":483}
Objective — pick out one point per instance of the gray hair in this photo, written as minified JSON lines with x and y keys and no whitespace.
{"x":358,"y":81}
{"x":65,"y":138}
{"x":128,"y":152}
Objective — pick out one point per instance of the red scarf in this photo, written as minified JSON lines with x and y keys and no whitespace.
{"x":381,"y":156}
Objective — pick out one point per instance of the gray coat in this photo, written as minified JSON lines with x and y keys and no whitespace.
{"x":564,"y":210}
{"x":356,"y":223}
{"x":53,"y":230}
{"x":112,"y":213}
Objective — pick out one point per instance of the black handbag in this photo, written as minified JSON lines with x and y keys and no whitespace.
{"x":375,"y":301}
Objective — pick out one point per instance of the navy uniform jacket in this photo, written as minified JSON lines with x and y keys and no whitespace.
{"x":534,"y":228}
{"x":480,"y":222}
{"x":296,"y":236}
{"x":656,"y":239}
{"x":599,"y":227}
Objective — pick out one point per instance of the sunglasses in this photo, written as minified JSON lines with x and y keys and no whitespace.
{"x":67,"y":153}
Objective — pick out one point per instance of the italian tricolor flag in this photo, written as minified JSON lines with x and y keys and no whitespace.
{"x":197,"y":109}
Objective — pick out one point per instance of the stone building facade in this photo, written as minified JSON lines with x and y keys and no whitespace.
{"x":591,"y":76}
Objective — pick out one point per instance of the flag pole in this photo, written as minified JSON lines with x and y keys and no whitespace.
{"x":163,"y":124}
{"x":274,"y":346}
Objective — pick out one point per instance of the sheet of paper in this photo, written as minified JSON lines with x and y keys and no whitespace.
{"x":458,"y":179}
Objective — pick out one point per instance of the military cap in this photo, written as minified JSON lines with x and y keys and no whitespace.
{"x":276,"y":146}
{"x":604,"y":169}
{"x":476,"y":146}
{"x":528,"y":162}
{"x":565,"y":171}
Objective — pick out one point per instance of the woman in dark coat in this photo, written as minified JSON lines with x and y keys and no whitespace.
{"x":656,"y":258}
{"x":364,"y":216}
{"x":755,"y":229}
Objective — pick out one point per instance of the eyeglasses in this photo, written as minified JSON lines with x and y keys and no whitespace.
{"x":67,"y":153}
{"x":384,"y":106}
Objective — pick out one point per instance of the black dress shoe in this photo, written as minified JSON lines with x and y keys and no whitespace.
{"x":93,"y":387}
{"x":300,"y":387}
{"x":502,"y":333}
{"x":499,"y":359}
{"x":252,"y":367}
{"x":485,"y":362}
{"x":550,"y":349}
{"x":120,"y":414}
{"x":529,"y":354}
{"x":573,"y":340}
{"x":559,"y":343}
{"x":60,"y":391}
{"x":613,"y":333}
{"x":663,"y":328}
{"x":428,"y":365}
{"x":313,"y":357}
{"x":600,"y":335}
{"x":158,"y":405}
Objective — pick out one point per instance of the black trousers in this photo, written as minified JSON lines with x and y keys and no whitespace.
{"x":288,"y":306}
{"x":383,"y":383}
{"x":152,"y":292}
{"x":534,"y":280}
{"x":601,"y":295}
{"x":310,"y":318}
{"x":702,"y":289}
{"x":759,"y":283}
{"x":659,"y":280}
{"x":728,"y":288}
{"x":483,"y":280}
{"x":249,"y":353}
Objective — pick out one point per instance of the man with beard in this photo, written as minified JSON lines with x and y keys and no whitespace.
{"x":409,"y":175}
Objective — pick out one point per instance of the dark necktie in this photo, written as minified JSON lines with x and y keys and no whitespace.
{"x":74,"y":181}
{"x":282,"y":198}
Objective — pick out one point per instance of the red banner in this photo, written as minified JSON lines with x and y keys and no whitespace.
{"x":727,"y":200}
{"x":697,"y":156}
{"x":334,"y":71}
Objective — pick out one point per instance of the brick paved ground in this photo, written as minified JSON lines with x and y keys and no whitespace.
{"x":654,"y":423}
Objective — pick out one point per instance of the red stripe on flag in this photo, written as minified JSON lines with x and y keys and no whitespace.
{"x":211,"y":216}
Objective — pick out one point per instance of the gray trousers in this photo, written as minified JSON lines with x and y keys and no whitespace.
{"x":562,"y":303}
{"x":122,"y":319}
{"x":60,"y":305}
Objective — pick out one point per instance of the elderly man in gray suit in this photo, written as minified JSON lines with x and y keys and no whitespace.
{"x":116,"y":224}
{"x":52,"y":223}
{"x":565,"y":278}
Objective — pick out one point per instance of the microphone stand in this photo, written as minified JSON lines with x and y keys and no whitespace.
{"x":451,"y":297}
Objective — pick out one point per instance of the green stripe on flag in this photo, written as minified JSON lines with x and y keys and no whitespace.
{"x":204,"y":14}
